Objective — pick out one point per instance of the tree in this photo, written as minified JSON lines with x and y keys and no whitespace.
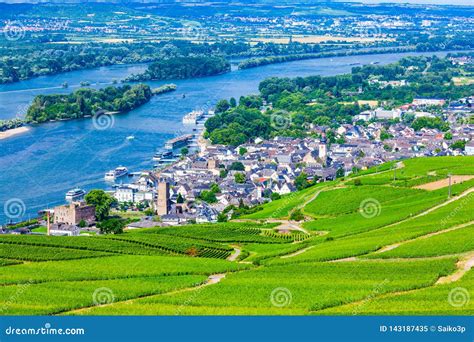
{"x":222,"y":217}
{"x":222,"y":106}
{"x":223,"y":173}
{"x":448,"y":136}
{"x":208,"y":196}
{"x":102,"y":202}
{"x":237,"y":166}
{"x":215,"y":188}
{"x":297,"y":215}
{"x":82,"y":224}
{"x":184,"y":151}
{"x":113,"y":225}
{"x":340,"y":173}
{"x":149,"y":212}
{"x":242,"y":151}
{"x":301,"y":181}
{"x":425,"y":122}
{"x":459,"y":144}
{"x":233,"y":102}
{"x":384,"y":135}
{"x":239,"y":178}
{"x":180,"y":199}
{"x":275,"y":196}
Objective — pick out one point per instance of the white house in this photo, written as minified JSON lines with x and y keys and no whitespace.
{"x":470,"y":148}
{"x":64,"y":230}
{"x":429,"y":102}
{"x":124,"y":194}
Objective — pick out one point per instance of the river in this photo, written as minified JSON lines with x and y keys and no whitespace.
{"x":37,"y":168}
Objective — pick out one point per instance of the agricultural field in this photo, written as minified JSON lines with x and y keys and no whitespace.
{"x":332,"y":284}
{"x":455,"y":241}
{"x":229,"y":232}
{"x":444,"y":299}
{"x":281,"y":208}
{"x":376,"y":243}
{"x":71,"y":295}
{"x":348,"y":199}
{"x":5,"y":262}
{"x":423,"y":170}
{"x":36,"y":253}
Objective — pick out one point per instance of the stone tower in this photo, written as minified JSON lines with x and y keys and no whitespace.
{"x":162,"y":205}
{"x":212,"y":164}
{"x":323,"y":151}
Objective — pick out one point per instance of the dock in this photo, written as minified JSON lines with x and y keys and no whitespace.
{"x":180,"y":141}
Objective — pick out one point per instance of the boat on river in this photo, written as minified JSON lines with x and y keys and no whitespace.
{"x":112,"y":175}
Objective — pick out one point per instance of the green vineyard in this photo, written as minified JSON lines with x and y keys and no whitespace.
{"x":393,"y":240}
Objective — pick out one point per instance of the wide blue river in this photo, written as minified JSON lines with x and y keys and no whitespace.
{"x":37,"y":168}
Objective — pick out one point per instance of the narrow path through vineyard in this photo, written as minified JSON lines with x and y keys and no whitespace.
{"x":211,"y":280}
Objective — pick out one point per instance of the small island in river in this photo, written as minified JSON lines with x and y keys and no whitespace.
{"x":183,"y":68}
{"x":80,"y":104}
{"x":86,"y":102}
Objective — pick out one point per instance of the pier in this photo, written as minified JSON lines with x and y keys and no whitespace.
{"x":177,"y":142}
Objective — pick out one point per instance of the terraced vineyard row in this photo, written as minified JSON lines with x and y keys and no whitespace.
{"x":43,"y":253}
{"x":114,"y":267}
{"x":6,"y":262}
{"x":293,"y":236}
{"x":224,"y":233}
{"x":80,"y":243}
{"x":177,"y":245}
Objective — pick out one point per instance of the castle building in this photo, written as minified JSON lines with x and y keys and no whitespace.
{"x":74,"y":213}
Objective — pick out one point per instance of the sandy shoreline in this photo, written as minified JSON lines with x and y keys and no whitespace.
{"x":14,"y":131}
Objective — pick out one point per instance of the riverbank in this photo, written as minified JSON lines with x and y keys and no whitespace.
{"x":14,"y":131}
{"x":262,"y":61}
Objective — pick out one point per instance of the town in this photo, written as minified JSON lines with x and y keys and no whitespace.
{"x":205,"y":187}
